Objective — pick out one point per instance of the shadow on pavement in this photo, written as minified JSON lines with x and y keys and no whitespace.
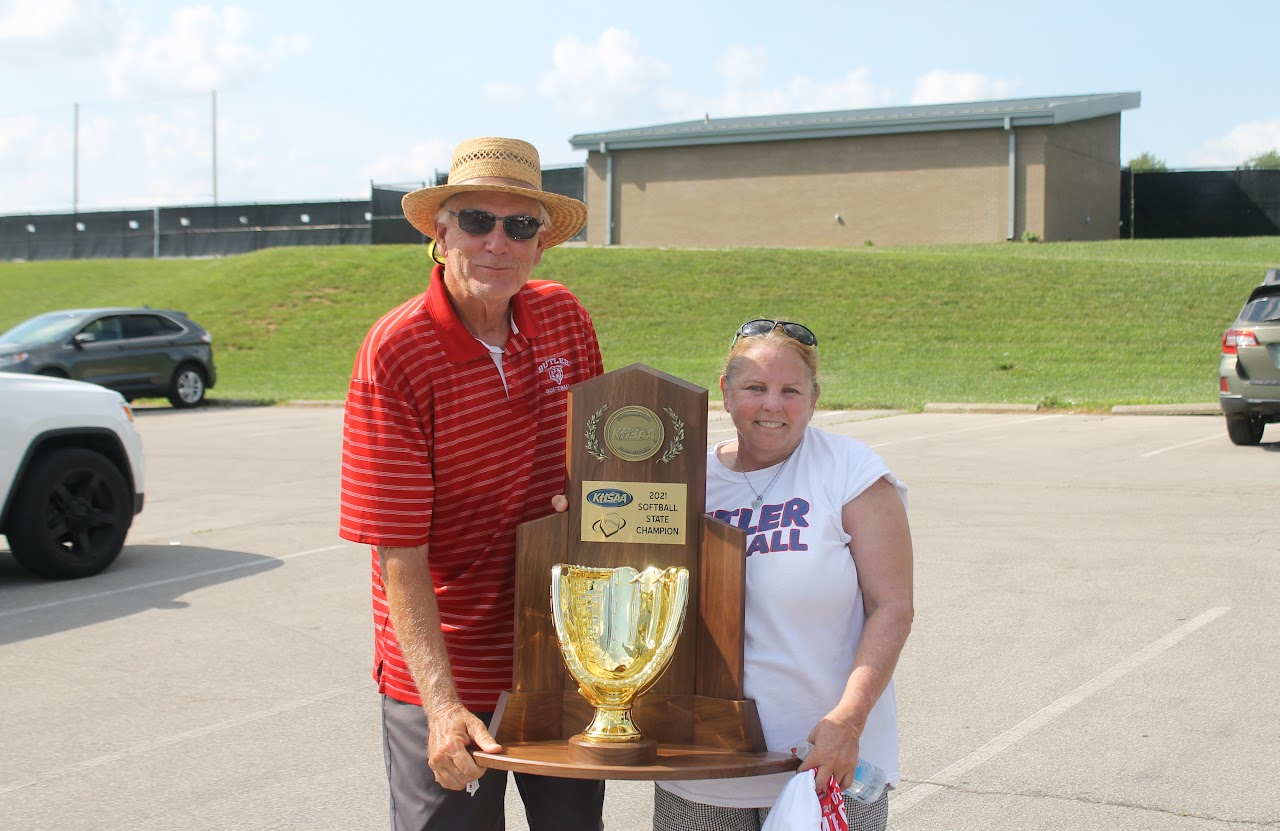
{"x":144,"y":577}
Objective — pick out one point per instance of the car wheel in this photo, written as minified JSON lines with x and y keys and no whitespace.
{"x":53,"y":372}
{"x":1245,"y":429}
{"x":186,"y":388}
{"x":71,"y":515}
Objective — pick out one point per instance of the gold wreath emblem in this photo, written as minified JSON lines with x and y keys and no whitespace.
{"x":593,"y":441}
{"x":674,"y":447}
{"x":677,"y":438}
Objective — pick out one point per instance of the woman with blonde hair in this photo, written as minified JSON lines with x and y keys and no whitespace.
{"x":829,"y":584}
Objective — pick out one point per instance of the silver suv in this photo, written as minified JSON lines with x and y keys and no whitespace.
{"x":1249,"y":372}
{"x":71,"y":474}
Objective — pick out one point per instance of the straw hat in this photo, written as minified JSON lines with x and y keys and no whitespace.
{"x":496,"y":164}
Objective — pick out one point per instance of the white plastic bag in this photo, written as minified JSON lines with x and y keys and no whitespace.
{"x":799,"y":808}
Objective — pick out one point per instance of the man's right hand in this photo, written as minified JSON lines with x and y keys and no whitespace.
{"x":452,"y":732}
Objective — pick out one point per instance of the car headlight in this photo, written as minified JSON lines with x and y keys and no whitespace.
{"x":13,"y":358}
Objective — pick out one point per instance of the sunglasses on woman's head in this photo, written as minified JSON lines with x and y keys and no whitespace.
{"x":519,"y":227}
{"x":763,"y":326}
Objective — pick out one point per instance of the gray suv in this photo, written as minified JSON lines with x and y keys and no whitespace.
{"x":138,"y":352}
{"x":1249,"y":372}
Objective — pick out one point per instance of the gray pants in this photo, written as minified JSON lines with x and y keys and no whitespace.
{"x":419,"y":804}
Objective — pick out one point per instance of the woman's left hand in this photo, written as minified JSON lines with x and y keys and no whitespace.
{"x":835,"y":752}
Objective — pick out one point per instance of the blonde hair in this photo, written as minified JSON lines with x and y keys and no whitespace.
{"x":737,"y":353}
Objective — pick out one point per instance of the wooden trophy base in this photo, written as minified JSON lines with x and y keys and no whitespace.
{"x":584,"y":751}
{"x":674,"y":762}
{"x":690,"y":737}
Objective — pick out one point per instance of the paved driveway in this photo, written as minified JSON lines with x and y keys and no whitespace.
{"x":1096,"y":644}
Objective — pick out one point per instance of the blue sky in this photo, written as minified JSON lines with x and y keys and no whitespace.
{"x":317,"y":99}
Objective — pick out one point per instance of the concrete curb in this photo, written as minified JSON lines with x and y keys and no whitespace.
{"x":1119,"y":409}
{"x":980,"y":408}
{"x":1167,"y":409}
{"x":293,"y":402}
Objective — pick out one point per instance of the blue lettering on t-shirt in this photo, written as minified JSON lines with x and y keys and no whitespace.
{"x":779,"y":527}
{"x":770,"y":517}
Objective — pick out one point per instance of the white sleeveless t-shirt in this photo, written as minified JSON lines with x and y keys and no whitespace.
{"x":804,"y":613}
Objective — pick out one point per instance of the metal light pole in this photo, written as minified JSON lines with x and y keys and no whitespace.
{"x":215,"y":148}
{"x":75,"y":158}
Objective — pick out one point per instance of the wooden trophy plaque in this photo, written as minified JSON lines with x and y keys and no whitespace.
{"x":636,"y":487}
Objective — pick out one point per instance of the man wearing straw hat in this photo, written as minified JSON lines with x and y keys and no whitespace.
{"x":454,"y":435}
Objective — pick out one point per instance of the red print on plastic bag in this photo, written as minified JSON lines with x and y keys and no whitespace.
{"x":831,"y":800}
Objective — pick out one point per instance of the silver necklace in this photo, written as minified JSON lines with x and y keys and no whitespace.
{"x":755,"y":503}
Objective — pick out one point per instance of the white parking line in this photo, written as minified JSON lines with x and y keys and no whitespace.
{"x":949,"y":775}
{"x":126,"y":589}
{"x":1178,"y":446}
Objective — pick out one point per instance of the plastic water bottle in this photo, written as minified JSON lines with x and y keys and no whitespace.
{"x":868,"y":779}
{"x":868,"y":783}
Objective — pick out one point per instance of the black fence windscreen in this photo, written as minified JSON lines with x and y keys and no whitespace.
{"x":219,"y":230}
{"x":189,"y":231}
{"x":102,"y":234}
{"x":389,"y":225}
{"x":1200,"y":203}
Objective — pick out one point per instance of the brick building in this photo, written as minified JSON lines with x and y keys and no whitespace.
{"x":972,"y":172}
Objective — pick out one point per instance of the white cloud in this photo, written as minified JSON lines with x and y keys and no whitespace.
{"x":203,"y":49}
{"x":143,"y":151}
{"x":941,"y":87}
{"x":48,"y":31}
{"x":801,"y":94}
{"x":1241,"y":143}
{"x":611,"y":79}
{"x":178,"y":157}
{"x":418,"y":164}
{"x":21,"y":135}
{"x":96,"y":138}
{"x":742,"y":66}
{"x":37,"y":174}
{"x":745,"y":93}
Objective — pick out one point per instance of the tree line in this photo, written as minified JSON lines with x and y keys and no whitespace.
{"x":1147,"y":162}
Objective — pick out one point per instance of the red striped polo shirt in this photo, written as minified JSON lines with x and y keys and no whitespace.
{"x":436,"y":451}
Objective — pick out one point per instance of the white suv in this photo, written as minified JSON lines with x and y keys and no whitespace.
{"x":71,"y":469}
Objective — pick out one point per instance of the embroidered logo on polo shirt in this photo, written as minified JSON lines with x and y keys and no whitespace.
{"x":554,"y":367}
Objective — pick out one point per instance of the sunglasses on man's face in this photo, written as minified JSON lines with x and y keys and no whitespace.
{"x":763,"y":326}
{"x":518,"y":226}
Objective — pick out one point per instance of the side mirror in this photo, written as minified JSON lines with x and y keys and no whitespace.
{"x":81,"y":339}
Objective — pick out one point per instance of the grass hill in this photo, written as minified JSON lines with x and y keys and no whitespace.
{"x":1080,"y":325}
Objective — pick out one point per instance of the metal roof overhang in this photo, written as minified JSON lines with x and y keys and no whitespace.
{"x":1033,"y":112}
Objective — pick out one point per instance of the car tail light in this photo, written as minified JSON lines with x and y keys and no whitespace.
{"x":1233,"y":339}
{"x":206,"y":338}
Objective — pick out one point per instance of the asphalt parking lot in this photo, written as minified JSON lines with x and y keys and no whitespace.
{"x":1096,"y":642}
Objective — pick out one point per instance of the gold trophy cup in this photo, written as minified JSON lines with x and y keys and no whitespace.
{"x":617,"y":629}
